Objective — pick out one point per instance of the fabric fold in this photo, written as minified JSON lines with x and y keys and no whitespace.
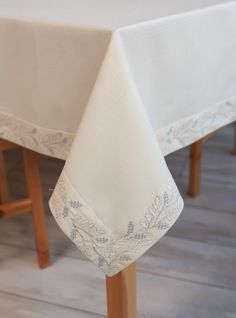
{"x":117,"y":167}
{"x":113,"y":93}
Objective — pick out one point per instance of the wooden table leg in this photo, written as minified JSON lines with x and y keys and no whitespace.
{"x":121,"y":293}
{"x":35,"y":193}
{"x":195,"y":168}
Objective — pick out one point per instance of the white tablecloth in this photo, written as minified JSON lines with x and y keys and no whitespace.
{"x":112,"y":87}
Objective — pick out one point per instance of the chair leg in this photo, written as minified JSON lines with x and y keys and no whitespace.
{"x":4,"y":192}
{"x":35,"y":193}
{"x":195,"y":168}
{"x":121,"y":293}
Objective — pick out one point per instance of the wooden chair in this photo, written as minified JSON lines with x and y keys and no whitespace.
{"x":195,"y":164}
{"x":121,"y":288}
{"x":33,"y":203}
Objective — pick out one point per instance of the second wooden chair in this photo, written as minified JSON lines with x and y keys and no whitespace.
{"x":33,"y":203}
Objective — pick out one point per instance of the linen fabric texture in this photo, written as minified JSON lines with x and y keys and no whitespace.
{"x":112,"y":95}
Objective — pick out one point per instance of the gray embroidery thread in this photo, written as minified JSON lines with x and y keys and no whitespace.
{"x":111,"y":252}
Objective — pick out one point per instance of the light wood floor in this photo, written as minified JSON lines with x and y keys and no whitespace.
{"x":190,"y":273}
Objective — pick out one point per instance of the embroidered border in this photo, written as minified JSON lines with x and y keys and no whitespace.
{"x":177,"y":135}
{"x":114,"y":251}
{"x":49,"y":142}
{"x":188,"y":130}
{"x":110,"y":251}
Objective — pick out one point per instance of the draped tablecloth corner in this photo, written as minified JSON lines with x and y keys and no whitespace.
{"x":113,"y":251}
{"x":112,"y":91}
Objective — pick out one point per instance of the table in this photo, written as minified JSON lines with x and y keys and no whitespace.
{"x":113,"y":87}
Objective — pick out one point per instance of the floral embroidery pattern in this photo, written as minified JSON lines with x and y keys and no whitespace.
{"x":170,"y":138}
{"x":111,"y":251}
{"x":46,"y":141}
{"x":190,"y":129}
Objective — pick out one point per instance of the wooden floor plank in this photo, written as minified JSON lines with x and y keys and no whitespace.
{"x":70,"y":282}
{"x":217,"y":166}
{"x":79,"y":285}
{"x":216,"y":227}
{"x":191,"y":261}
{"x":169,"y":298}
{"x":12,"y":306}
{"x":214,"y":196}
{"x":190,"y":273}
{"x":199,"y":239}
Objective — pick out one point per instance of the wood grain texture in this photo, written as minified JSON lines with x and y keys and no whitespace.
{"x":13,"y":306}
{"x":32,"y":203}
{"x":35,"y":194}
{"x":195,"y":168}
{"x":72,"y":283}
{"x":121,"y":293}
{"x":190,"y":273}
{"x":15,"y":208}
{"x":77,"y":284}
